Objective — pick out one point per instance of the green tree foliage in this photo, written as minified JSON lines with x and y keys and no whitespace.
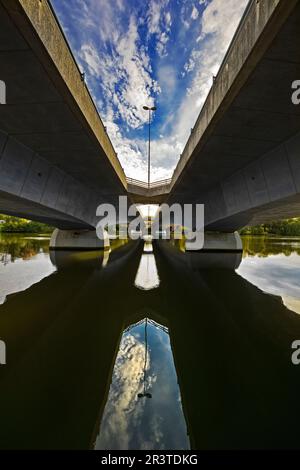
{"x":266,"y":245}
{"x":15,"y":224}
{"x":289,"y":227}
{"x":14,"y":246}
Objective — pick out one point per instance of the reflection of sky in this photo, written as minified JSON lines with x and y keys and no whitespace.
{"x":147,"y":275}
{"x":21,"y":274}
{"x":130,"y":422}
{"x":275,"y":274}
{"x":148,"y":248}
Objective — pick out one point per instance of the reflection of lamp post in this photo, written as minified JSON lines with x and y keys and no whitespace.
{"x":153,"y":108}
{"x":145,"y":394}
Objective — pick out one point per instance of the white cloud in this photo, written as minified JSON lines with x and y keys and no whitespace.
{"x":155,"y":15}
{"x":195,"y":13}
{"x":138,"y":84}
{"x":99,"y":15}
{"x":133,"y":154}
{"x":91,"y":58}
{"x":216,"y":28}
{"x":168,"y":19}
{"x":132,"y":158}
{"x":123,"y":413}
{"x":116,"y":58}
{"x":218,"y":25}
{"x":167,"y":79}
{"x":124,"y":74}
{"x":159,"y":24}
{"x":161,"y":44}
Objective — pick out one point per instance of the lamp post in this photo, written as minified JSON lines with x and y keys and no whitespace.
{"x":147,"y":108}
{"x":145,"y":394}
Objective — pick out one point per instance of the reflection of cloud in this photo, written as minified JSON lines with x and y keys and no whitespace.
{"x":143,"y":423}
{"x":157,"y":435}
{"x":123,"y":402}
{"x":292,"y":304}
{"x":22,"y":274}
{"x":275,"y":275}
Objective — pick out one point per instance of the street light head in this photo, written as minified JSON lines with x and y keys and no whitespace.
{"x":149,"y":109}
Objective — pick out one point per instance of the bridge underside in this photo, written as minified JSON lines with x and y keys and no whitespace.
{"x":20,"y":207}
{"x":242,"y":160}
{"x":57,"y":163}
{"x":142,"y":193}
{"x":279,"y":210}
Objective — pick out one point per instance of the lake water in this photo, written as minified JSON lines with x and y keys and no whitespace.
{"x":145,"y":347}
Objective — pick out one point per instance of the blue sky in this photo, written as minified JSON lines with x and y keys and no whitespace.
{"x":161,"y":52}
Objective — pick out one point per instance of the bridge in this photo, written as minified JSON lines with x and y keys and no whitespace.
{"x":152,"y":193}
{"x":242,"y":158}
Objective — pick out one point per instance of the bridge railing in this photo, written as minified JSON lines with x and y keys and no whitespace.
{"x":151,"y":322}
{"x":143,"y":184}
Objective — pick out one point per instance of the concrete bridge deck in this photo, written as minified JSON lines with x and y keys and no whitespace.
{"x":144,"y":193}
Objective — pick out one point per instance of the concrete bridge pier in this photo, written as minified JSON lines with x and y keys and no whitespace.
{"x":218,"y":242}
{"x":77,"y":240}
{"x":198,"y":238}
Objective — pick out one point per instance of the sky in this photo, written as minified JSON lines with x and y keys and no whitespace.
{"x":156,"y":52}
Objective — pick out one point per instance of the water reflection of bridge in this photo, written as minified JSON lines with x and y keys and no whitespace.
{"x":231,"y":346}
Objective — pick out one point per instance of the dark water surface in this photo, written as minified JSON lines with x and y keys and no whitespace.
{"x":142,"y":349}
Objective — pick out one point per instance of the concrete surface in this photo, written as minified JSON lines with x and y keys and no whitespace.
{"x":154,"y":194}
{"x":77,"y":240}
{"x":215,"y":242}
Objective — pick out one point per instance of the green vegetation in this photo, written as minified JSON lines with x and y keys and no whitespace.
{"x":289,"y":227}
{"x":17,"y":225}
{"x":264,"y":246}
{"x":16,"y":245}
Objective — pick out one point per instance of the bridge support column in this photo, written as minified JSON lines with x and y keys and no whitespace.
{"x":77,"y":240}
{"x":219,"y":242}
